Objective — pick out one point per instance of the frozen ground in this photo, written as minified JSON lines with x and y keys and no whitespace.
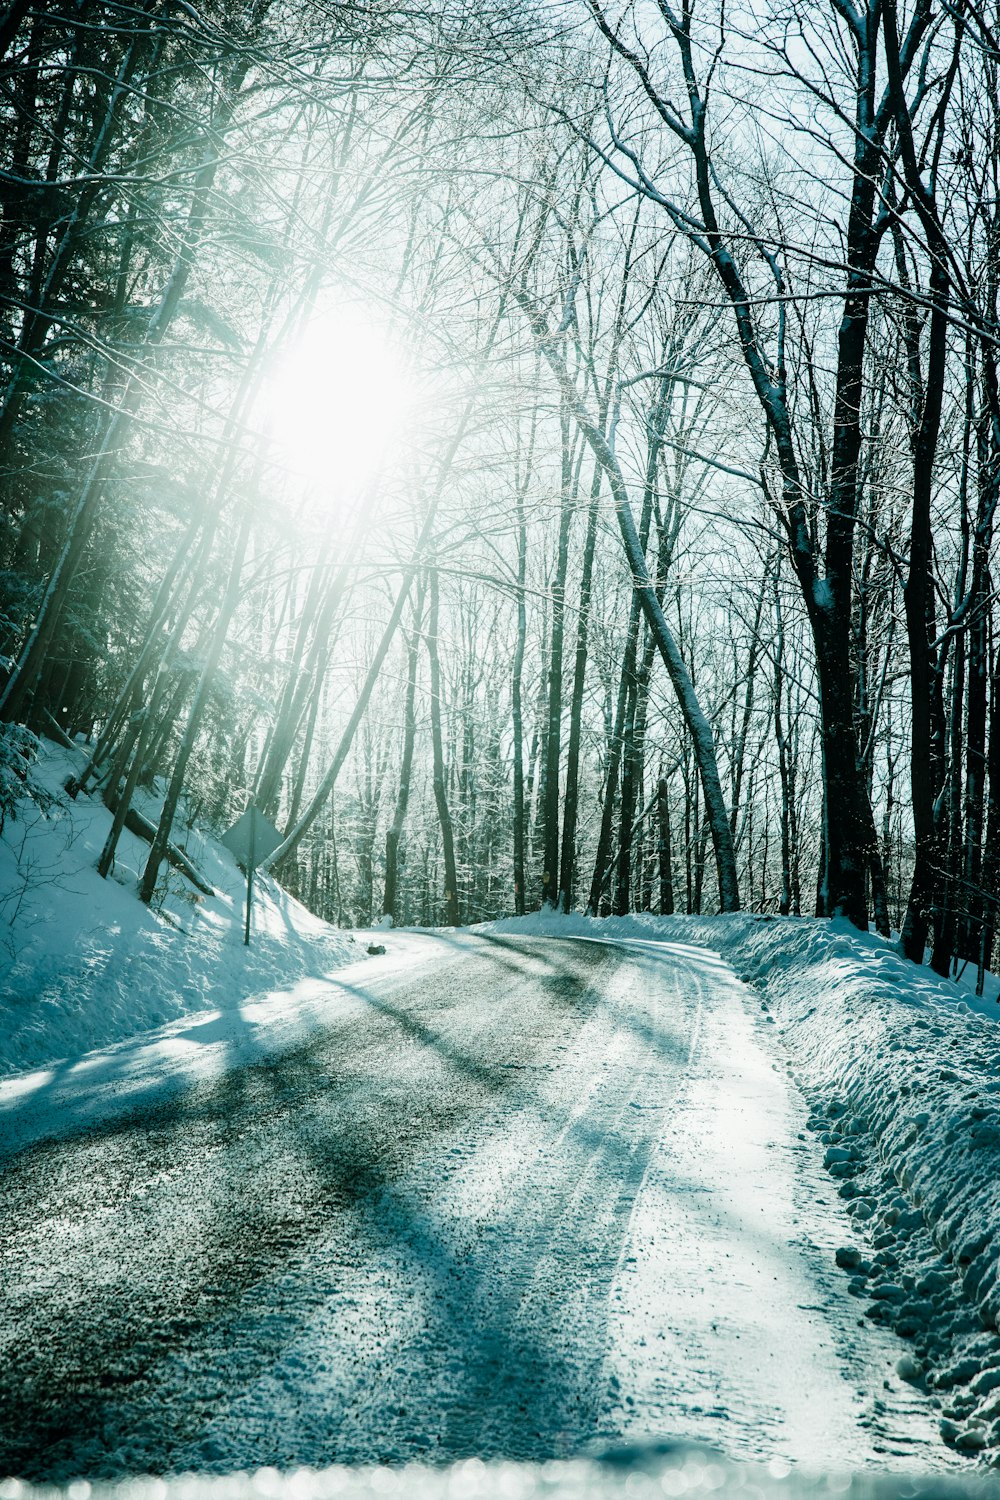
{"x":84,"y":964}
{"x":518,"y":1196}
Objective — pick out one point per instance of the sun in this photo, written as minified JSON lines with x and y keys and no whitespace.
{"x":337,"y":403}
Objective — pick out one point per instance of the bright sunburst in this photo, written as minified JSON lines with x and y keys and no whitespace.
{"x":337,"y":403}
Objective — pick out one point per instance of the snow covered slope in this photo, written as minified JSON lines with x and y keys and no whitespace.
{"x":84,"y":964}
{"x":902,"y":1072}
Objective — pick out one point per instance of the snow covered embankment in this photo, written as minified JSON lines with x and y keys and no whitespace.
{"x":904,"y":1077}
{"x":83,"y":964}
{"x":902,"y":1073}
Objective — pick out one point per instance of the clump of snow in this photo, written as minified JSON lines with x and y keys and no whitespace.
{"x":902,"y":1073}
{"x":18,"y":749}
{"x":83,"y":963}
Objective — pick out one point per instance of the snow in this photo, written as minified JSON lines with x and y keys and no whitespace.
{"x":823,"y":594}
{"x":749,"y":1198}
{"x":753,"y":1366}
{"x":902,"y":1072}
{"x":84,"y":964}
{"x":591,"y":1219}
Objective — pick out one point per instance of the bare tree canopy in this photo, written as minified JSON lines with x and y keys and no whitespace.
{"x":524,"y":450}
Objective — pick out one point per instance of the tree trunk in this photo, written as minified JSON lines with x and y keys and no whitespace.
{"x":633,"y":753}
{"x":517,"y":712}
{"x":664,"y":851}
{"x":572,"y":794}
{"x":227,"y":609}
{"x":29,"y":663}
{"x":437,"y":744}
{"x":390,"y":900}
{"x":553,"y":730}
{"x":694,"y":718}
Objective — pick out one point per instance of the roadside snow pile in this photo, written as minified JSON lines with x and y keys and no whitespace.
{"x":83,"y":963}
{"x":902,"y":1073}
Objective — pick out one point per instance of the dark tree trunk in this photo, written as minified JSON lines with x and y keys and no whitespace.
{"x":633,"y":753}
{"x":517,"y":714}
{"x":991,"y":847}
{"x":390,"y":900}
{"x":664,"y":852}
{"x":988,"y":455}
{"x":602,"y":861}
{"x":572,"y":794}
{"x":553,"y":728}
{"x":437,"y":743}
{"x":927,"y":769}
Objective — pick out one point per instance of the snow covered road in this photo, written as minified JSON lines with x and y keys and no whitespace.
{"x":518,"y":1196}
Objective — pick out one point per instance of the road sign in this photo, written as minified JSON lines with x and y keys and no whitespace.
{"x":251,"y":839}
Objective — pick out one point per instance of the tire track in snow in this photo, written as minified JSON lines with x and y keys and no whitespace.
{"x":495,"y":1209}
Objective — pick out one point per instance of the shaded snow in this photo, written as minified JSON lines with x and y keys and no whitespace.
{"x":84,"y":964}
{"x":521,"y":1197}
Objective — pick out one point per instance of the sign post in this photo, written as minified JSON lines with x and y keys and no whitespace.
{"x":251,"y":839}
{"x":250,"y":870}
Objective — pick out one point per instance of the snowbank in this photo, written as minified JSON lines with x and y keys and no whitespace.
{"x":83,"y":963}
{"x":902,"y":1072}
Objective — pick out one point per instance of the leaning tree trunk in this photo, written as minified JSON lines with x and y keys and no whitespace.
{"x":32,"y":657}
{"x":298,"y":831}
{"x":157,"y":853}
{"x":697,"y":724}
{"x":286,"y":719}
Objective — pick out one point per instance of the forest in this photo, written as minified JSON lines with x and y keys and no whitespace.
{"x":542,"y":455}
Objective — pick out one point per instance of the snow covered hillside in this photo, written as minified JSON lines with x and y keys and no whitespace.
{"x":84,"y":964}
{"x":902,"y":1073}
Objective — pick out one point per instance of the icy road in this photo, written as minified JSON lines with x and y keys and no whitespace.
{"x":516,"y":1196}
